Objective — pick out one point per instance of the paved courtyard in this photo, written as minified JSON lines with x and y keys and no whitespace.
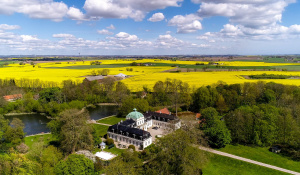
{"x":155,"y":132}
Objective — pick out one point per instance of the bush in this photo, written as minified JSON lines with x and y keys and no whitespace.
{"x":98,"y":165}
{"x":131,"y":147}
{"x":22,"y":148}
{"x":109,"y":141}
{"x":133,"y":64}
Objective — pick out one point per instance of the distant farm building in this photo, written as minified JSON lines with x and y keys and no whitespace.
{"x":98,"y":78}
{"x":12,"y":98}
{"x":121,"y":75}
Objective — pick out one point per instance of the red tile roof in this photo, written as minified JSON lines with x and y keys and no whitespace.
{"x":163,"y":111}
{"x":198,"y":115}
{"x":12,"y":97}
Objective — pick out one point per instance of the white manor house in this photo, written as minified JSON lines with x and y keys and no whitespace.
{"x":133,"y":130}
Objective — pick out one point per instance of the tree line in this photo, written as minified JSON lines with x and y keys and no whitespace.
{"x":260,"y":114}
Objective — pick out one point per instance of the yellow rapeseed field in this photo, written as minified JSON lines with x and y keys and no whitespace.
{"x":141,"y":75}
{"x":198,"y":79}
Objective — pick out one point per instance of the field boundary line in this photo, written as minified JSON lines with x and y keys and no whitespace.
{"x":38,"y":134}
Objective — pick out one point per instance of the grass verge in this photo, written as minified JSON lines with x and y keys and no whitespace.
{"x":111,"y":120}
{"x":220,"y":165}
{"x":262,"y":154}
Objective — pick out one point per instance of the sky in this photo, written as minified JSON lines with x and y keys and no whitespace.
{"x":149,"y":27}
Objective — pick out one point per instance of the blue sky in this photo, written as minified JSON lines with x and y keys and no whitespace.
{"x":149,"y":27}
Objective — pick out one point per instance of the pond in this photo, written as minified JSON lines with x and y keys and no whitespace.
{"x":36,"y":123}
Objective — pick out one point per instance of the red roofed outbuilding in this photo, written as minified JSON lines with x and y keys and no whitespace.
{"x":163,"y":111}
{"x":11,"y":98}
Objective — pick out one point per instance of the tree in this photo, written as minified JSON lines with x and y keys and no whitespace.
{"x":201,"y":99}
{"x":73,"y":130}
{"x":18,"y":164}
{"x":105,"y":72}
{"x":221,"y":105}
{"x":179,"y":93}
{"x":208,"y":117}
{"x":22,"y":148}
{"x":129,"y":104}
{"x":177,"y":156}
{"x":216,"y":131}
{"x":121,"y":167}
{"x":131,"y":147}
{"x":218,"y":134}
{"x":159,"y":96}
{"x":75,"y":165}
{"x":14,"y":134}
{"x":17,"y":123}
{"x":50,"y":157}
{"x":3,"y":126}
{"x":51,"y":94}
{"x":120,"y":93}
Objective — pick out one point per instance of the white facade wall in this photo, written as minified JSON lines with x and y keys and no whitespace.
{"x":162,"y":124}
{"x":129,"y":140}
{"x":147,"y":142}
{"x":140,"y":121}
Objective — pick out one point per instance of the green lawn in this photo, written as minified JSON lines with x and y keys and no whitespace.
{"x":111,"y":120}
{"x":101,"y":130}
{"x":46,"y":137}
{"x":220,"y":165}
{"x":262,"y":155}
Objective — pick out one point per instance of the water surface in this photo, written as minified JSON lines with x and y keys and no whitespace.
{"x":36,"y":123}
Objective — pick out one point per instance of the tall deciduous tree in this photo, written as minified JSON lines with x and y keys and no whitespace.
{"x":215,"y":129}
{"x":73,"y":130}
{"x":14,"y":133}
{"x":177,"y":156}
{"x":119,"y":93}
{"x":129,"y":104}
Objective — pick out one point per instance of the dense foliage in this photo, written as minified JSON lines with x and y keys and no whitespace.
{"x":261,"y":114}
{"x":269,"y":76}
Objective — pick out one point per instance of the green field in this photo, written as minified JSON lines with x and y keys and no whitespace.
{"x":220,"y":165}
{"x":101,"y":130}
{"x":262,"y":155}
{"x":32,"y":139}
{"x":111,"y":120}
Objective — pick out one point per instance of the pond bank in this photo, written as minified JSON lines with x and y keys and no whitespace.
{"x":21,"y":113}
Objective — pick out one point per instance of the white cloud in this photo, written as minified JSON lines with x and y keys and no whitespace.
{"x":169,"y":42}
{"x":253,"y":14}
{"x":157,"y":17}
{"x":186,"y":24}
{"x":248,"y":19}
{"x":105,"y":32}
{"x":42,"y":9}
{"x":8,"y":27}
{"x":295,"y":29}
{"x":111,"y":27}
{"x":29,"y":38}
{"x":63,"y":35}
{"x":75,"y":14}
{"x":125,"y":8}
